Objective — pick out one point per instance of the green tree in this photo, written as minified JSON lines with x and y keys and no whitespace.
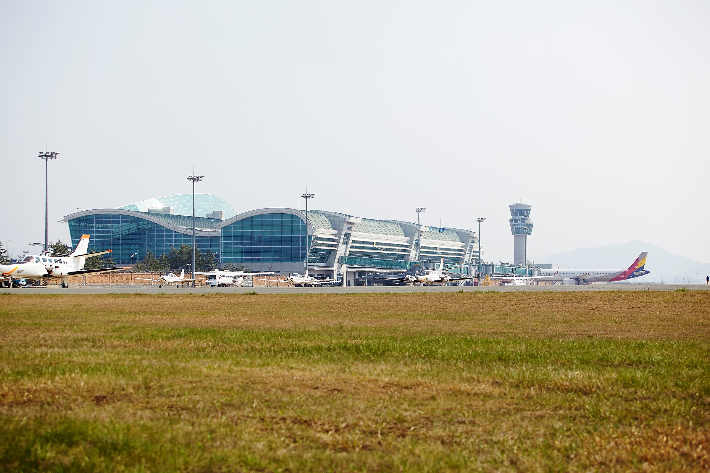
{"x":178,"y":258}
{"x":207,"y":262}
{"x":149,"y":264}
{"x":4,"y":257}
{"x":99,"y":262}
{"x":163,"y":265}
{"x":59,"y":249}
{"x":233,"y":267}
{"x":181,"y":257}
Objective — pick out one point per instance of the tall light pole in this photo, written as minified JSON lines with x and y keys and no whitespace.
{"x":307,"y":196}
{"x":47,"y":155}
{"x":479,"y":220}
{"x":194,"y":179}
{"x":419,"y":235}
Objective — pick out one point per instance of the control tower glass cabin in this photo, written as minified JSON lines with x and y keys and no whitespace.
{"x":520,"y":227}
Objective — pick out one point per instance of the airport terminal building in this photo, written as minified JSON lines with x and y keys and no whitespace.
{"x":274,"y":239}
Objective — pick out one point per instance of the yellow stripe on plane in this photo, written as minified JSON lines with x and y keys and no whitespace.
{"x":10,"y":272}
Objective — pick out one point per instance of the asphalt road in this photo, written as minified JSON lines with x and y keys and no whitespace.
{"x":134,"y":289}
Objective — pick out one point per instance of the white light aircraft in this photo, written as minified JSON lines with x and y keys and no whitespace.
{"x":515,"y":280}
{"x":219,"y":278}
{"x":307,"y":281}
{"x":38,"y":267}
{"x":440,"y":276}
{"x":170,"y":278}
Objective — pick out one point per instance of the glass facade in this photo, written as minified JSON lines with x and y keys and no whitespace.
{"x":375,"y":263}
{"x":433,"y":254}
{"x":520,"y":223}
{"x":264,"y":238}
{"x":127,"y":235}
{"x":378,"y":250}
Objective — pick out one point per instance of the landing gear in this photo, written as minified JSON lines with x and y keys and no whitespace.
{"x":65,"y":284}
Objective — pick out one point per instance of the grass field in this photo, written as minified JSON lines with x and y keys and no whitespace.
{"x":583,"y":381}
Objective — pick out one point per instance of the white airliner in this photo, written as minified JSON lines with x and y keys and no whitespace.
{"x":219,"y":278}
{"x":588,"y":276}
{"x":39,"y":267}
{"x":170,"y":278}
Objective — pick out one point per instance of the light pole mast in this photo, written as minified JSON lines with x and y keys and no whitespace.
{"x":479,"y":220}
{"x":419,"y":235}
{"x":307,"y":196}
{"x":46,"y":156}
{"x":194,"y":179}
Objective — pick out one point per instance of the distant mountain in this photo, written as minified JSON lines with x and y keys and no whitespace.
{"x":664,"y":266}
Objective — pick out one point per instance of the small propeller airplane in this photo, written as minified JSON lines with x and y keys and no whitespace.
{"x":170,"y":278}
{"x":515,"y":280}
{"x":217,"y":278}
{"x":395,"y":279}
{"x":299,"y":280}
{"x":43,"y":267}
{"x":439,"y":276}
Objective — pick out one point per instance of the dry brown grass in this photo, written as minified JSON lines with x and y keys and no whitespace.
{"x":443,"y":382}
{"x":626,"y":315}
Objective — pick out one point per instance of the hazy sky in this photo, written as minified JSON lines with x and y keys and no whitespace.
{"x":595,"y":113}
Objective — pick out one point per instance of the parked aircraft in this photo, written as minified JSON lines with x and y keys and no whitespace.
{"x":514,"y":280}
{"x":38,"y":267}
{"x":299,"y":280}
{"x":170,"y":278}
{"x":395,"y":279}
{"x":228,"y":278}
{"x":439,"y":276}
{"x":588,"y":276}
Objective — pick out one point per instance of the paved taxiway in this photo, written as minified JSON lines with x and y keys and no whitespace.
{"x":130,"y":289}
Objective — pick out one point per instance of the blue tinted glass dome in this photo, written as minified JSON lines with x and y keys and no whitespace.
{"x":181,"y":204}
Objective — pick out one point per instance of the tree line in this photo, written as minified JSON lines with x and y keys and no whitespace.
{"x":178,"y":258}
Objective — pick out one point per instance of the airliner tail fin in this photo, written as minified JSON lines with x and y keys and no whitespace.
{"x":639,"y":263}
{"x":635,"y":270}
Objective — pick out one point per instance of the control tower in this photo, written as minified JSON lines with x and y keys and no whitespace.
{"x":520,"y":227}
